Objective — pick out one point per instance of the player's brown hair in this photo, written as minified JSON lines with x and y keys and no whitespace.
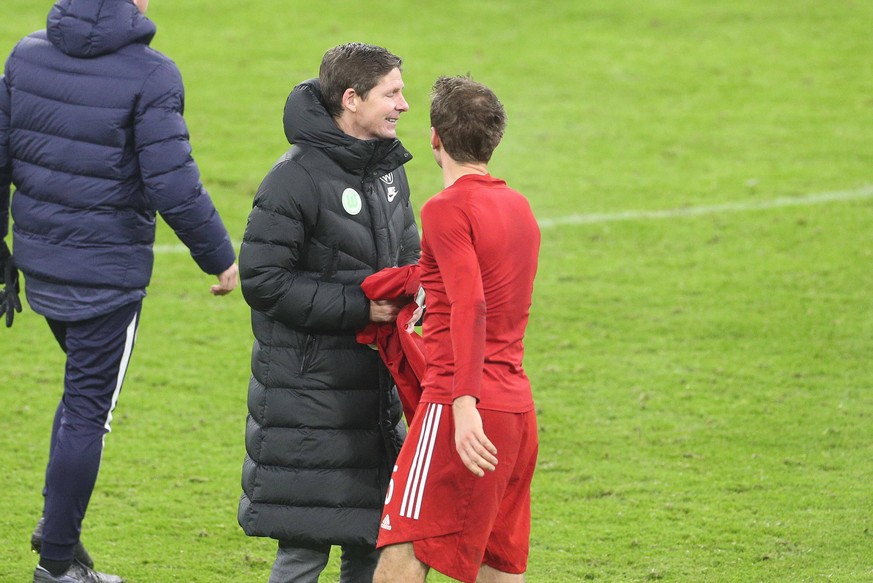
{"x":468,"y":118}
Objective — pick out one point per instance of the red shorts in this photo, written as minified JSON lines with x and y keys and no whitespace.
{"x":456,"y":520}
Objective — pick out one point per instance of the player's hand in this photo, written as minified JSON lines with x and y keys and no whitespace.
{"x":9,"y":301}
{"x":227,"y":281}
{"x":384,"y":311}
{"x":476,"y":450}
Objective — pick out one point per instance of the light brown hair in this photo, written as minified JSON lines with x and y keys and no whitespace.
{"x":468,"y":118}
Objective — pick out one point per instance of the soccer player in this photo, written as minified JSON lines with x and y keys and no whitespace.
{"x":459,"y":501}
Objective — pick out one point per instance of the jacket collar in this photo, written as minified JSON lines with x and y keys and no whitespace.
{"x":308,"y":122}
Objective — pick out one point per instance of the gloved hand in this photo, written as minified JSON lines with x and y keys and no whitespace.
{"x":9,"y":301}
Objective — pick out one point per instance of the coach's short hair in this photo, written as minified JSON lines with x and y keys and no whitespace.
{"x":468,"y":118}
{"x":353,"y":65}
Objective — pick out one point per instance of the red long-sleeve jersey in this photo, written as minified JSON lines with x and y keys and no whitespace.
{"x":479,"y":257}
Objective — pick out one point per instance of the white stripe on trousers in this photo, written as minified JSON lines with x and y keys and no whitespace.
{"x":122,"y":368}
{"x":413,"y":493}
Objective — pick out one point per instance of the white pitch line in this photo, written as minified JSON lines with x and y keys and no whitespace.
{"x":729,"y":207}
{"x":692,"y":211}
{"x":170,"y":248}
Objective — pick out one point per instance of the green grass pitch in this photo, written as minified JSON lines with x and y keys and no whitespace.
{"x":702,"y":328}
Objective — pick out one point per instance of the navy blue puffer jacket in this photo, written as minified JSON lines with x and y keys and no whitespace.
{"x":92,"y":137}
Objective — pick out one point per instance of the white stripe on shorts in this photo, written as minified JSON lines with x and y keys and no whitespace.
{"x":413,"y":493}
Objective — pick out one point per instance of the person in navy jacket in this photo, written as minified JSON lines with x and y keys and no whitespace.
{"x":93,"y":139}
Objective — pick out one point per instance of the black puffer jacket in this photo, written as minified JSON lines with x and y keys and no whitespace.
{"x":322,"y":432}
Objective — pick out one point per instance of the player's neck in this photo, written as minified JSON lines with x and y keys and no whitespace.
{"x":452,"y":170}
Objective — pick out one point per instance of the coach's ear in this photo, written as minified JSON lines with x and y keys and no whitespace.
{"x":350,"y":100}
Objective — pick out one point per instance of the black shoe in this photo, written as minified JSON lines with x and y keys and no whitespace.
{"x":77,"y":573}
{"x":79,"y":553}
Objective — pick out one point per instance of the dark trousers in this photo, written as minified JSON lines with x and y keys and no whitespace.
{"x":98,"y":351}
{"x":303,"y":564}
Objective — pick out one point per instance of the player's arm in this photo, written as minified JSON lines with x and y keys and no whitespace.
{"x":450,"y":238}
{"x":476,"y":450}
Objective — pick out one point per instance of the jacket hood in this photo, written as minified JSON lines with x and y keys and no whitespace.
{"x":307,"y":122}
{"x":90,"y":28}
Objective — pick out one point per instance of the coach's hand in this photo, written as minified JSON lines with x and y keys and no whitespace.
{"x":476,"y":450}
{"x":384,"y":311}
{"x":227,"y":281}
{"x":9,"y":302}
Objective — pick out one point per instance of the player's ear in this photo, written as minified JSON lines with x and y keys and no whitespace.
{"x":435,"y":143}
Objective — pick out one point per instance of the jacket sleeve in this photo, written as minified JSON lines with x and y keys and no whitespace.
{"x":285,"y":209}
{"x":5,"y":158}
{"x":170,"y":176}
{"x":410,"y":240}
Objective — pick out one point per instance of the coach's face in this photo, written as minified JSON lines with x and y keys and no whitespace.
{"x":376,"y":116}
{"x":143,"y":5}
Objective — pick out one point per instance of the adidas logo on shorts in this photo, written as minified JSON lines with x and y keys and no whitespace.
{"x":386,"y":523}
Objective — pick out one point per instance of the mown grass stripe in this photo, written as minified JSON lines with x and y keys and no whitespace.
{"x":729,"y":207}
{"x":641,"y":215}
